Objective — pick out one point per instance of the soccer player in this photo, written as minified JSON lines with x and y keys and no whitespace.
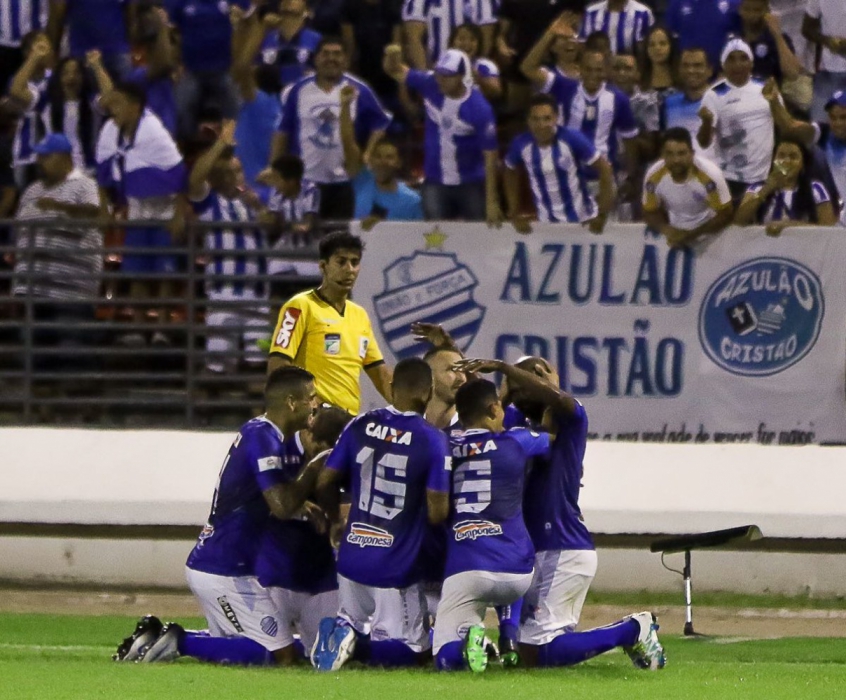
{"x":324,"y":332}
{"x":397,"y":466}
{"x":555,"y":159}
{"x":245,"y":626}
{"x":489,"y":552}
{"x":565,"y":559}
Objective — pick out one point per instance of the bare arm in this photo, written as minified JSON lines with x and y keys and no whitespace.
{"x":748,"y":209}
{"x":328,"y":494}
{"x":160,"y":60}
{"x":415,"y":48}
{"x":289,"y":498}
{"x":381,"y":376}
{"x":787,"y":126}
{"x":493,"y":212}
{"x":203,"y":166}
{"x":279,"y":146}
{"x":491,"y":87}
{"x":19,"y":85}
{"x":352,"y":153}
{"x":488,"y":33}
{"x":56,"y":22}
{"x":656,"y":220}
{"x":714,"y":225}
{"x":104,"y":82}
{"x":791,"y":67}
{"x":532,"y":65}
{"x":605,"y":200}
{"x":511,"y":186}
{"x":706,"y":130}
{"x":348,"y":39}
{"x":276,"y":361}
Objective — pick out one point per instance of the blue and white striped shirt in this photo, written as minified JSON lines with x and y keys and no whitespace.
{"x":34,"y":124}
{"x":442,"y":16}
{"x":625,"y":29}
{"x":20,"y":17}
{"x":781,"y":204}
{"x":556,"y":174}
{"x":217,"y":208}
{"x":294,"y":209}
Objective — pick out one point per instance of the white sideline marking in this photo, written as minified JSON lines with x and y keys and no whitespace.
{"x":50,"y":647}
{"x":786,"y":614}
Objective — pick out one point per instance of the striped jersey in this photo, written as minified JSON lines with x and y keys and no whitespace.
{"x":625,"y":29}
{"x":20,"y":17}
{"x":603,"y":118}
{"x":558,"y":184}
{"x":457,"y":132}
{"x":34,"y":124}
{"x":835,"y":156}
{"x":781,"y":204}
{"x":442,"y":16}
{"x":224,"y":245}
{"x":311,"y":121}
{"x":292,"y":210}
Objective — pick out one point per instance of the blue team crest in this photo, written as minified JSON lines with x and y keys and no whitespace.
{"x":429,"y":286}
{"x":762,"y":316}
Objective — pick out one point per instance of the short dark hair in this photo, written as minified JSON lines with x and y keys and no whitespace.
{"x":696,"y":49}
{"x":329,"y":39}
{"x":329,"y":422}
{"x":286,"y":381}
{"x":432,"y":352}
{"x":132,"y":91}
{"x":678,"y":134}
{"x":542,"y":99}
{"x":474,"y":29}
{"x":331,"y":243}
{"x":598,"y":39}
{"x":473,"y":398}
{"x":289,"y":167}
{"x":413,"y":376}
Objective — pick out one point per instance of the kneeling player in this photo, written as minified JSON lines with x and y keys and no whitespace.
{"x":245,"y":625}
{"x":397,"y":468}
{"x":489,"y":552}
{"x":565,"y":562}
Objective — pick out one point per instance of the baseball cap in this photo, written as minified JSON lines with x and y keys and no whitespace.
{"x":735,"y":45}
{"x":838,"y":99}
{"x":54,"y":143}
{"x":452,"y":62}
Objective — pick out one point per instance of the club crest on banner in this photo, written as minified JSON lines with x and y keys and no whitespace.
{"x":431,"y":286}
{"x":761,"y":317}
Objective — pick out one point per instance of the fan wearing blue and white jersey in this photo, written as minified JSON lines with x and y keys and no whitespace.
{"x":17,"y":19}
{"x":310,"y":126}
{"x":396,"y":467}
{"x":245,"y":625}
{"x":217,"y":191}
{"x":29,"y":91}
{"x":460,"y":138}
{"x":564,"y":559}
{"x":435,"y":21}
{"x":490,"y":557}
{"x":626,"y":23}
{"x":555,"y":159}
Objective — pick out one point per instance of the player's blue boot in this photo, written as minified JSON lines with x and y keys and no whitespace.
{"x":146,"y":631}
{"x":334,"y":645}
{"x":647,"y":652}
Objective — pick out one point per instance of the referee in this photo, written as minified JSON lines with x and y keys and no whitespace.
{"x":324,"y":332}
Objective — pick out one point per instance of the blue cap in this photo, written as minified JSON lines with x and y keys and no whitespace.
{"x":54,"y":143}
{"x":838,"y":99}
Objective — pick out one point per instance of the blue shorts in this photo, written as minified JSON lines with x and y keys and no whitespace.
{"x":148,"y":262}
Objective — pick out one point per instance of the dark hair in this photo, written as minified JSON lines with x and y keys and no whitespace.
{"x":268,"y":78}
{"x":542,"y":99}
{"x":328,"y":423}
{"x":474,"y":29}
{"x":289,"y":167}
{"x":646,"y":62}
{"x":29,"y":38}
{"x":598,"y":42}
{"x":695,"y":49}
{"x":433,"y":352}
{"x":286,"y":381}
{"x":331,"y":243}
{"x":134,"y":92}
{"x":413,"y":376}
{"x":804,"y":206}
{"x":677,"y":133}
{"x":329,"y":39}
{"x":86,"y":126}
{"x":473,"y":398}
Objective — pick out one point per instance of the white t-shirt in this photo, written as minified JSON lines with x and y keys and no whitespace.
{"x":688,"y":204}
{"x":832,"y":16}
{"x":744,"y":130}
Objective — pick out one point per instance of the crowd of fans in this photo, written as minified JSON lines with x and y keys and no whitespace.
{"x":686,"y":114}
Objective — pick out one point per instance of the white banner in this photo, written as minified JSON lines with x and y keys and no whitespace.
{"x":742,"y":341}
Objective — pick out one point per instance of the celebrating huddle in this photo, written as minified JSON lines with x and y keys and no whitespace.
{"x":384,"y":538}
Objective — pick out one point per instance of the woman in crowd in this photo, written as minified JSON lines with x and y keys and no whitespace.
{"x":658,"y":70}
{"x":789,"y":197}
{"x":71,"y":95}
{"x":468,"y":38}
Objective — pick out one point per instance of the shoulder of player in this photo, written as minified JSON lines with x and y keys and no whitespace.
{"x":357,"y":311}
{"x":261,"y":427}
{"x":657,"y":172}
{"x":720,"y":88}
{"x":358,"y":83}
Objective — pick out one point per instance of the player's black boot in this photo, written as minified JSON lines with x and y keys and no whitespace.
{"x":165,"y":647}
{"x":147,"y":630}
{"x":509,"y":652}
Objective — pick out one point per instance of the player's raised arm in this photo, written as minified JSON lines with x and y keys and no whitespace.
{"x":435,"y":335}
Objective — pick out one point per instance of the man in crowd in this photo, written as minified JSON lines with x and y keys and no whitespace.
{"x":824,"y":24}
{"x":310,"y":127}
{"x":773,"y":51}
{"x":685,"y":195}
{"x":681,"y":108}
{"x":325,"y":332}
{"x":289,"y":44}
{"x":460,"y":156}
{"x":626,"y":22}
{"x":20,"y":17}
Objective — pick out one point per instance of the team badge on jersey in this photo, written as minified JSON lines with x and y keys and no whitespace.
{"x":332,"y":343}
{"x":474,"y":529}
{"x":365,"y":535}
{"x":761,"y":317}
{"x":428,"y":286}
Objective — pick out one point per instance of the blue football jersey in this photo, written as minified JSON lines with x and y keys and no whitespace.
{"x":551,"y":501}
{"x":487,"y":528}
{"x":389,"y":459}
{"x":228,"y":544}
{"x":291,"y":553}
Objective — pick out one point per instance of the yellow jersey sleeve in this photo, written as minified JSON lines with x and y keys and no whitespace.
{"x":651,"y":198}
{"x":712,"y":194}
{"x":291,"y":327}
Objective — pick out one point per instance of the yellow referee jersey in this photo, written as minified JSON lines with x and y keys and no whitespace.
{"x":334,"y":347}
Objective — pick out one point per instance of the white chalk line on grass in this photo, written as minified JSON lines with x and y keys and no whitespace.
{"x":52,"y":647}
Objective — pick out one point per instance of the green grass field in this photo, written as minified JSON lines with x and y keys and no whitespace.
{"x":68,"y":657}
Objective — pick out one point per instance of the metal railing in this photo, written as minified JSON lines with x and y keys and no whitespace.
{"x":67,"y":362}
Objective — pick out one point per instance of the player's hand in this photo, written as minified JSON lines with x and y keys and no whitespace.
{"x":431,"y":333}
{"x":770,"y":90}
{"x":227,"y":132}
{"x":774,"y":228}
{"x":564,"y":25}
{"x":596,"y":224}
{"x":93,"y":58}
{"x":272,"y":21}
{"x":506,"y":53}
{"x":50,"y":204}
{"x":369,"y":222}
{"x":472,"y":366}
{"x":266,"y":176}
{"x":41,"y":50}
{"x":314,"y":514}
{"x":706,"y":115}
{"x":522,"y":224}
{"x":348,"y":94}
{"x":392,"y":59}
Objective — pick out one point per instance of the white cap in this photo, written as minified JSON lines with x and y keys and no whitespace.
{"x":453,"y":62}
{"x":736,"y":45}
